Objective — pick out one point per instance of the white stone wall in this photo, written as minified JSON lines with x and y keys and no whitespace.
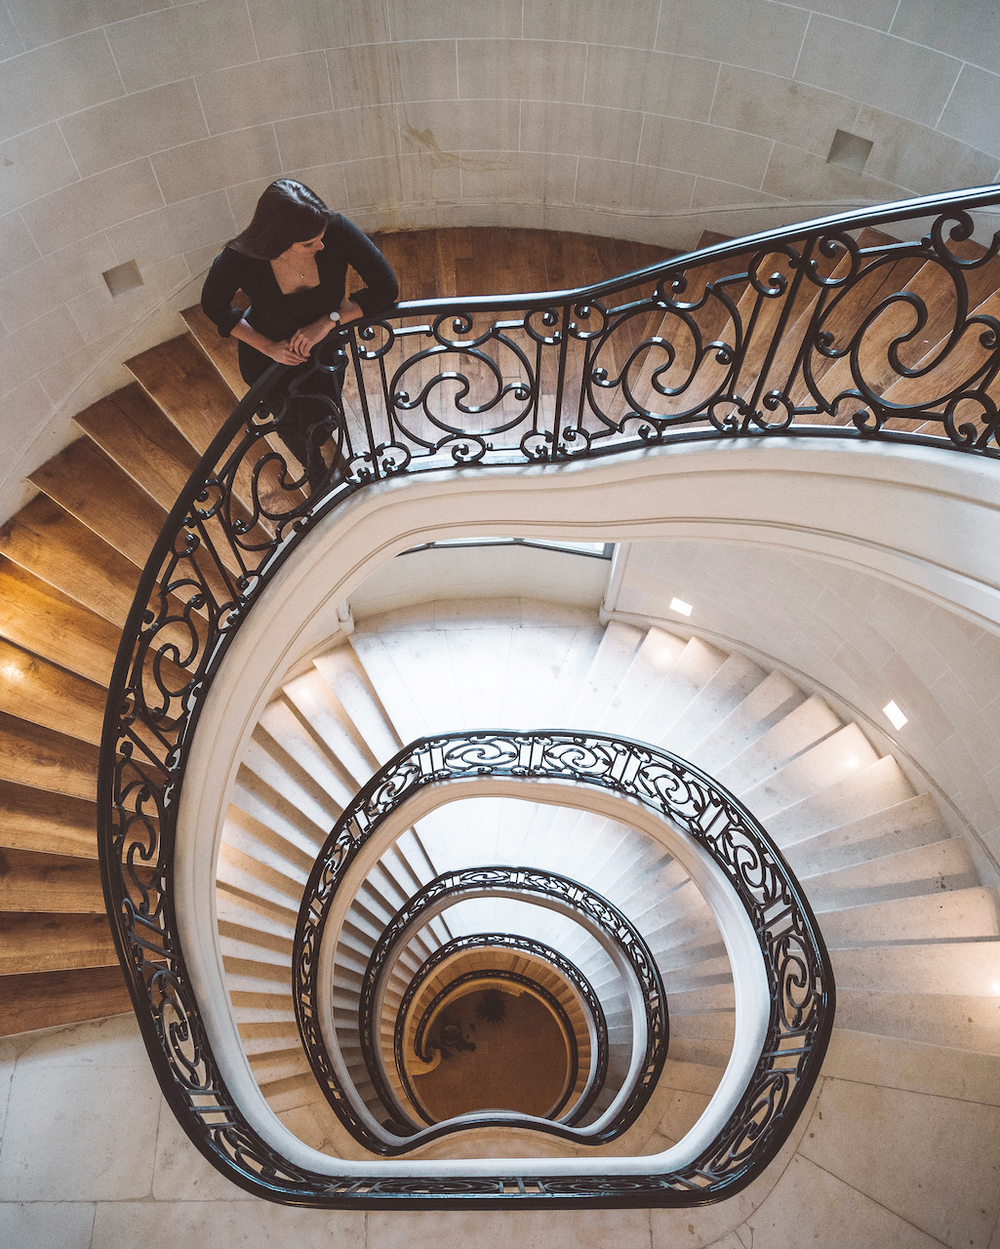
{"x":136,"y":130}
{"x":858,"y":638}
{"x":897,"y":1150}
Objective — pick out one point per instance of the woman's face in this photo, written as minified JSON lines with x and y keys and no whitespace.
{"x":308,"y":247}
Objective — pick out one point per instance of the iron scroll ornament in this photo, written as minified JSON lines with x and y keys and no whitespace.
{"x":522,"y":882}
{"x":797,"y":965}
{"x":509,"y":941}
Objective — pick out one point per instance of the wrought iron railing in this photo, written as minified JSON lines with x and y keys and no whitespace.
{"x":796,"y":965}
{"x":511,"y":943}
{"x":334,"y":859}
{"x":803,"y":331}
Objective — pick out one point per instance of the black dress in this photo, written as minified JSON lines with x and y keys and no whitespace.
{"x":277,"y":316}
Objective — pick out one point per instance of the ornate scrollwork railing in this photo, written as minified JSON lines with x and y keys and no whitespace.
{"x":576,"y":899}
{"x":797,"y":967}
{"x":513,"y":943}
{"x":803,"y":331}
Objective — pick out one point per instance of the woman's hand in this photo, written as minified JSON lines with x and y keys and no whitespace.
{"x":305,"y":339}
{"x":285,"y":353}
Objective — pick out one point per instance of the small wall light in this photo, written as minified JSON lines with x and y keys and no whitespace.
{"x":894,"y":715}
{"x":678,"y":605}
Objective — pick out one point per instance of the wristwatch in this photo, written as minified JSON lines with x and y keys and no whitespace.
{"x":335,"y":317}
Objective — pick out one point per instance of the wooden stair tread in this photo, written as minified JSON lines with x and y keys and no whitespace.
{"x":177,"y":375}
{"x":223,"y":352}
{"x":135,"y":432}
{"x":41,"y":758}
{"x":90,"y":486}
{"x":44,"y":539}
{"x":44,"y":941}
{"x":50,"y":999}
{"x":36,"y":615}
{"x":37,"y":819}
{"x":30,"y":881}
{"x":35,"y":689}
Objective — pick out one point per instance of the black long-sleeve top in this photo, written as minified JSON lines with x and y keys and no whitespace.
{"x":277,"y":316}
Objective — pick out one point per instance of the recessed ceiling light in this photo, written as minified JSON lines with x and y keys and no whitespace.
{"x":894,"y":715}
{"x":678,"y":605}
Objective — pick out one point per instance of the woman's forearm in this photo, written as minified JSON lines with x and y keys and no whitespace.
{"x":283,"y":352}
{"x":245,"y":332}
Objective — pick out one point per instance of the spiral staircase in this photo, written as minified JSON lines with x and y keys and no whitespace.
{"x":911,"y":929}
{"x":892,"y":890}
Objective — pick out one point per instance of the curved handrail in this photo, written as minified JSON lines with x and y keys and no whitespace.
{"x":795,"y":354}
{"x":522,"y":945}
{"x":576,"y":899}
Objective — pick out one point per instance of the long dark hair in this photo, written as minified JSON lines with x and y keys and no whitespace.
{"x":286,"y":213}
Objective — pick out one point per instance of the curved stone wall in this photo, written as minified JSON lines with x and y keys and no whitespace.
{"x":135,"y":131}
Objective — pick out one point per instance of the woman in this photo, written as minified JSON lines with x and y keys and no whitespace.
{"x":291,"y":261}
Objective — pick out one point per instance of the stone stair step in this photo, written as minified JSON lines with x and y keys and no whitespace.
{"x":695,"y":668}
{"x":904,"y":825}
{"x":284,"y":726}
{"x":389,"y":684}
{"x":771,"y":700}
{"x":355,"y":702}
{"x":316,"y":706}
{"x":616,"y":649}
{"x":648,"y":669}
{"x":956,"y":1022}
{"x":256,"y":840}
{"x":794,"y":733}
{"x":268,"y":1068}
{"x":966,"y":968}
{"x":269,"y":762}
{"x":942,"y":865}
{"x":241,"y":872}
{"x":964,"y":914}
{"x":732,"y":682}
{"x":857,"y":796}
{"x":845,"y":753}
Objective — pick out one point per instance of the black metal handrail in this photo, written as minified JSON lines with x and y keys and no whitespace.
{"x":794,"y":332}
{"x":335,"y":857}
{"x":517,"y":943}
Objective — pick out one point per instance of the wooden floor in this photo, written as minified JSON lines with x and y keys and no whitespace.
{"x":442,"y":264}
{"x":519,"y":1064}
